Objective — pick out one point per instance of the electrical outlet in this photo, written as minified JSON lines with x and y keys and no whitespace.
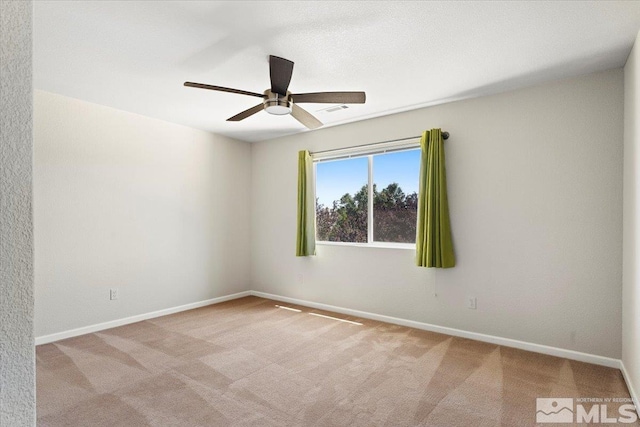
{"x":472,"y":303}
{"x":113,"y":293}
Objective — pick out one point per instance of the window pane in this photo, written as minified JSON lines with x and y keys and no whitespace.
{"x":341,"y":200}
{"x":395,"y":196}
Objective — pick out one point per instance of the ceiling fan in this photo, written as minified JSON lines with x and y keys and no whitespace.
{"x":279,"y":101}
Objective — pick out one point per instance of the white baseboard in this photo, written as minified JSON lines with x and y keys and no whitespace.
{"x":507,"y":342}
{"x":45,"y":339}
{"x":632,"y":390}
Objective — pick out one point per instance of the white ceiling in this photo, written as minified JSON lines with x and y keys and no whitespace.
{"x":135,"y":56}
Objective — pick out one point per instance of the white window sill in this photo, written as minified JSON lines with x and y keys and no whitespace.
{"x":379,"y":245}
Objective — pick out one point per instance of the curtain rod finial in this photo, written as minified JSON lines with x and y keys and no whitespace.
{"x":445,"y":135}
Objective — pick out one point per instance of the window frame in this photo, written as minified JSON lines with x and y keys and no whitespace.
{"x":368,"y":151}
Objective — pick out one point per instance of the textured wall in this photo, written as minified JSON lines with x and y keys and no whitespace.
{"x":631,"y":239}
{"x":17,"y":383}
{"x":157,"y":210}
{"x":535,"y":191}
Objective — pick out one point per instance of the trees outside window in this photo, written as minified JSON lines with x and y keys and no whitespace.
{"x":342,"y":211}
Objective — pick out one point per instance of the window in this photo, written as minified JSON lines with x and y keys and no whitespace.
{"x":344,"y":186}
{"x":341,"y":200}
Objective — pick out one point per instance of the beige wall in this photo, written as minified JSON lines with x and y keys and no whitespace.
{"x":17,"y":359}
{"x":535,"y":191}
{"x":631,"y":278}
{"x":157,"y":210}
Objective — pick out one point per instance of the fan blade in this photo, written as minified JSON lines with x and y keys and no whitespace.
{"x":280,"y":70}
{"x":330,"y":97}
{"x":222,"y":89}
{"x":304,"y":117}
{"x":246,"y":113}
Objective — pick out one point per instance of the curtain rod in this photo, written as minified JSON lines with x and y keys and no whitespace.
{"x":445,"y":135}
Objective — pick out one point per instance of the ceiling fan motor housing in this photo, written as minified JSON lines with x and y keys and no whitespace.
{"x":277,"y":104}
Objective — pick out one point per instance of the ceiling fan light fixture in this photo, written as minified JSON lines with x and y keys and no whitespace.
{"x":277,"y":104}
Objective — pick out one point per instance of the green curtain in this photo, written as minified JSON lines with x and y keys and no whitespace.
{"x":306,"y":234}
{"x":434,"y":247}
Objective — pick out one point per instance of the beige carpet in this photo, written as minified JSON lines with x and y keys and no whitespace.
{"x":250,"y":363}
